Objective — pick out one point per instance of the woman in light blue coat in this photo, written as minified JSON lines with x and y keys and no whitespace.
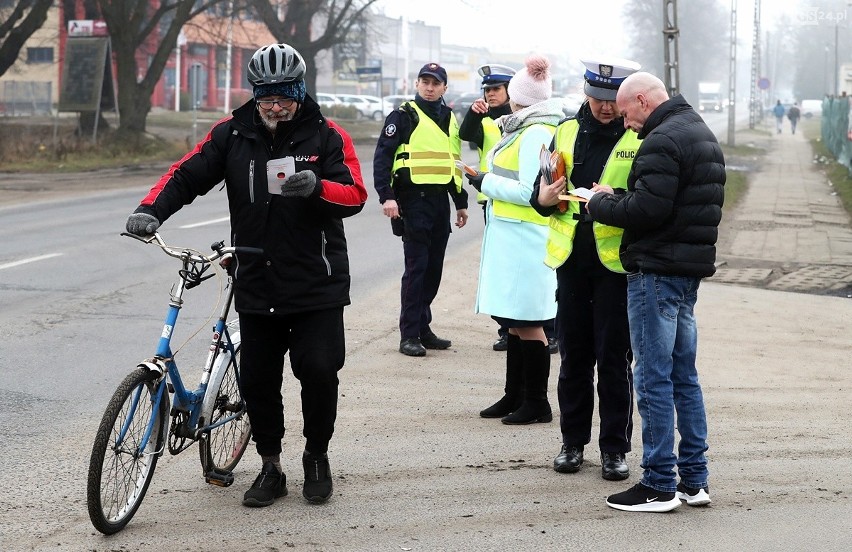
{"x":515,"y":287}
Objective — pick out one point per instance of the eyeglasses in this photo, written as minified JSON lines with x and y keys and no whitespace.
{"x":283,"y":104}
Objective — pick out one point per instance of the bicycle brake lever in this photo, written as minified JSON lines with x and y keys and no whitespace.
{"x":193,"y":283}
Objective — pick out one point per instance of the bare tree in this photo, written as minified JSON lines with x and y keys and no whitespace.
{"x":17,"y":24}
{"x":147,"y":28}
{"x":311,"y":26}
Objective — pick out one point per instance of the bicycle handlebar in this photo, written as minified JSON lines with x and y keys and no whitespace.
{"x":219,"y":248}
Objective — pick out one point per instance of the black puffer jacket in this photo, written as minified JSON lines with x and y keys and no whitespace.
{"x":673,"y":206}
{"x":305,"y":265}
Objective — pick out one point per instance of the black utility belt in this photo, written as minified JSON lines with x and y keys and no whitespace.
{"x":422,"y":189}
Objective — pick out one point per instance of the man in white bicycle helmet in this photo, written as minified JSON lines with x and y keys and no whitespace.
{"x":291,"y":177}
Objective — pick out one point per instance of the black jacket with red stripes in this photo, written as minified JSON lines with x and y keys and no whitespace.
{"x":305,"y":264}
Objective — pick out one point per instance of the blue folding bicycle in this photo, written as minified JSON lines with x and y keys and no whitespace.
{"x":135,"y":430}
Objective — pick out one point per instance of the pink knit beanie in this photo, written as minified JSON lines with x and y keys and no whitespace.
{"x":532,"y":84}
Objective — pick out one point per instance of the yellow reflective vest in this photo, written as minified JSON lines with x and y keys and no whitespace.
{"x":507,"y":164}
{"x":490,"y":136}
{"x":560,"y":240}
{"x":430,"y":154}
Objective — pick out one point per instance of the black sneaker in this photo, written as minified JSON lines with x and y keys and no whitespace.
{"x":431,"y":341}
{"x":693,"y":497}
{"x":640,"y":498}
{"x":318,"y":486}
{"x":269,"y":485}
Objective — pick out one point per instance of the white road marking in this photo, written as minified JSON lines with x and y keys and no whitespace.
{"x":205,"y":223}
{"x":30,"y":260}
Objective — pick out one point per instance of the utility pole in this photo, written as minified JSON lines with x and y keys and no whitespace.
{"x":670,"y":46}
{"x":755,"y":107}
{"x":732,"y":78}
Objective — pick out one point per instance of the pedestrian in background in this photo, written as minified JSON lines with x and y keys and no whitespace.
{"x":778,"y":110}
{"x":291,"y":297}
{"x":670,"y":214}
{"x":414,"y":174}
{"x":514,"y":286}
{"x":592,"y":284}
{"x":793,"y":114}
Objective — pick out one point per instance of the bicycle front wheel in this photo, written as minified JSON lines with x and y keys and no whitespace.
{"x":222,"y":448}
{"x":120,"y":468}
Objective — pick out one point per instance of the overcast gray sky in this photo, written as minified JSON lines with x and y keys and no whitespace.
{"x":573,"y":28}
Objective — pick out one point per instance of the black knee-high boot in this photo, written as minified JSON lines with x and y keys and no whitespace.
{"x":535,"y":407}
{"x":514,"y":387}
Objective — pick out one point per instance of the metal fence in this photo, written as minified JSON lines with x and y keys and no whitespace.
{"x":835,"y":129}
{"x":20,"y":98}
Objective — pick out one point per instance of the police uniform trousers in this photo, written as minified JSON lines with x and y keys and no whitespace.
{"x":315,"y":341}
{"x":592,"y":328}
{"x":426,"y":218}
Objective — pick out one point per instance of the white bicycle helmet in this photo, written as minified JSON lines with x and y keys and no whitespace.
{"x":276,"y":63}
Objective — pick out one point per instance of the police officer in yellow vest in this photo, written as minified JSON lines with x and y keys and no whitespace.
{"x":591,"y":318}
{"x":514,"y":286}
{"x":413,"y":172}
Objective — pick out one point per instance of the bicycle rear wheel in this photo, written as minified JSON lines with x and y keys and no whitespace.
{"x":222,"y":448}
{"x":119,"y":471}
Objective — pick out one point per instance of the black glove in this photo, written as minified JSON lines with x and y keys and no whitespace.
{"x":476,"y":181}
{"x":301,"y":184}
{"x":142,"y":224}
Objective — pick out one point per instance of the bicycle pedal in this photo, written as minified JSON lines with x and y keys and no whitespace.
{"x":220,"y":478}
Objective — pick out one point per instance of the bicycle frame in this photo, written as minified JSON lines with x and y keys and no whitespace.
{"x":222,"y":348}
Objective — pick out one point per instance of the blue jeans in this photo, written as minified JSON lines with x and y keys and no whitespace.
{"x":664,"y":339}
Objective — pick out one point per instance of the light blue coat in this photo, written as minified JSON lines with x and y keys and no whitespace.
{"x":513,"y":279}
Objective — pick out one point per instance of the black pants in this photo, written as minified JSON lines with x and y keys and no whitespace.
{"x":317,"y":350}
{"x":591,"y":322}
{"x":426,"y":217}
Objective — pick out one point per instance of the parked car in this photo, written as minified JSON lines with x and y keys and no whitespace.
{"x":367,"y":108}
{"x":375,"y":100}
{"x":327,"y":101}
{"x":395,"y":100}
{"x":462,"y":103}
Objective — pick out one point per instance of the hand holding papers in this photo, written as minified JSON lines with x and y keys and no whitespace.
{"x":552,"y":168}
{"x":578,"y":194}
{"x":467,"y":169}
{"x":552,"y":165}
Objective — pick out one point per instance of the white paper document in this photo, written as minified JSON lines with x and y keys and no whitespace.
{"x":277,"y":171}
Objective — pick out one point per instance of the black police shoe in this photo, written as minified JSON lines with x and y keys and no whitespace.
{"x":412,"y":347}
{"x":431,"y":341}
{"x":501,"y":344}
{"x":568,"y":460}
{"x":614,"y":466}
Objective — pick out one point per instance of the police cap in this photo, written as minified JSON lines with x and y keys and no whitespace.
{"x":604,"y":76}
{"x":494,"y":74}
